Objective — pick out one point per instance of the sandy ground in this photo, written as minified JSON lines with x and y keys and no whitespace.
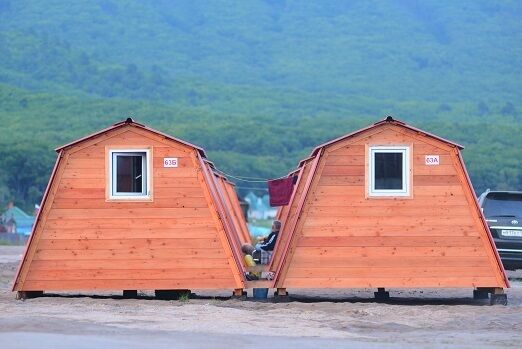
{"x":447,"y":318}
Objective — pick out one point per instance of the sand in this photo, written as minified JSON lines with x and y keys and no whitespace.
{"x":350,"y":318}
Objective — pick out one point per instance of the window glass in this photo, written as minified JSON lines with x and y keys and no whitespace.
{"x":129,"y":172}
{"x":388,"y":170}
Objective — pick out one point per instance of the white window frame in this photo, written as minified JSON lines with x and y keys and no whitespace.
{"x":405,"y":191}
{"x":112,"y":175}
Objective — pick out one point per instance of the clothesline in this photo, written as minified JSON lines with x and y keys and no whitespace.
{"x":251,"y":188}
{"x":279,"y":189}
{"x":247,"y":179}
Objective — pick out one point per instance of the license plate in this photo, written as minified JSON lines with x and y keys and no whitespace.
{"x":511,"y":233}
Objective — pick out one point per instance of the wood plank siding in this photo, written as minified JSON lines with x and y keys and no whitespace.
{"x":344,"y":238}
{"x":288,"y":216}
{"x":244,"y":234}
{"x":85,"y":241}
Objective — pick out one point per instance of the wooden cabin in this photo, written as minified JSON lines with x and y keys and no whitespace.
{"x":388,"y":206}
{"x":130,"y":208}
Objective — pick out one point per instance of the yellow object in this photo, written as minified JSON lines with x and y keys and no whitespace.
{"x":249,"y":261}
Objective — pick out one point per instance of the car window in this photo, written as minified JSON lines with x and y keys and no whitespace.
{"x":503,"y":204}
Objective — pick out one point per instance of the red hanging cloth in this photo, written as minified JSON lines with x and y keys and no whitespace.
{"x":280,"y":191}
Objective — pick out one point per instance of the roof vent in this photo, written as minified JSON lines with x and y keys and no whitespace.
{"x":389,"y":118}
{"x":129,"y":121}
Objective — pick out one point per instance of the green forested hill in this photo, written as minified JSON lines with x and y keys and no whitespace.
{"x":258,"y":83}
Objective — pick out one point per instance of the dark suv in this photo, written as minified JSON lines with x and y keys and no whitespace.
{"x":503,"y":212}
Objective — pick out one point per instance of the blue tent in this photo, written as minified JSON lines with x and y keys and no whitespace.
{"x":257,"y":230}
{"x":23,"y":221}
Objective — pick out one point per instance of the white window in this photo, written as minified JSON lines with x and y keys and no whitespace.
{"x":389,"y":169}
{"x":129,"y":174}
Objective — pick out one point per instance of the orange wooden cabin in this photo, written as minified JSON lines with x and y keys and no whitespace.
{"x":131,"y":208}
{"x":386,"y":206}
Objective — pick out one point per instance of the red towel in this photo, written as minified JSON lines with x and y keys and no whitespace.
{"x":280,"y":191}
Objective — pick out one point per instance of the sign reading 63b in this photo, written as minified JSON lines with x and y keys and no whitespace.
{"x":170,"y":162}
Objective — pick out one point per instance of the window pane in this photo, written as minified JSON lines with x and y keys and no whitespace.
{"x":129,"y":174}
{"x":388,"y":170}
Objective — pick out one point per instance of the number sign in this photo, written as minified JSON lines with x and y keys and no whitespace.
{"x":432,"y":160}
{"x":170,"y":162}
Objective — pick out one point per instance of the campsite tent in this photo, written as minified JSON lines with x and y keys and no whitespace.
{"x":386,"y":206}
{"x":22,"y":222}
{"x":131,"y":208}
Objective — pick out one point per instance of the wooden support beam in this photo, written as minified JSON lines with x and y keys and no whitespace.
{"x":239,"y":293}
{"x":281,"y":296}
{"x":281,"y":292}
{"x":22,"y":295}
{"x":381,"y":294}
{"x":498,"y":297}
{"x":171,"y":294}
{"x":481,"y":293}
{"x":130,"y":293}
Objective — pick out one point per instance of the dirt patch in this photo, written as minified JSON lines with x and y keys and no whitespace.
{"x":446,"y":317}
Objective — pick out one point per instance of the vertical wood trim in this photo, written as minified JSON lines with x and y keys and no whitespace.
{"x":215,"y":205}
{"x":284,"y":222}
{"x":150,"y":173}
{"x":228,"y":196}
{"x":227,"y":211}
{"x":232,"y":213}
{"x":282,"y":267}
{"x":478,"y":217}
{"x":200,"y":166}
{"x":305,"y":204}
{"x":410,"y":171}
{"x":367,"y":174}
{"x":107,"y":168}
{"x":290,"y":213}
{"x":41,"y":217}
{"x":236,"y":210}
{"x":230,"y":229}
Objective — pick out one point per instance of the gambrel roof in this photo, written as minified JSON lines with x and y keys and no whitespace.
{"x":387,"y":120}
{"x":131,"y":122}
